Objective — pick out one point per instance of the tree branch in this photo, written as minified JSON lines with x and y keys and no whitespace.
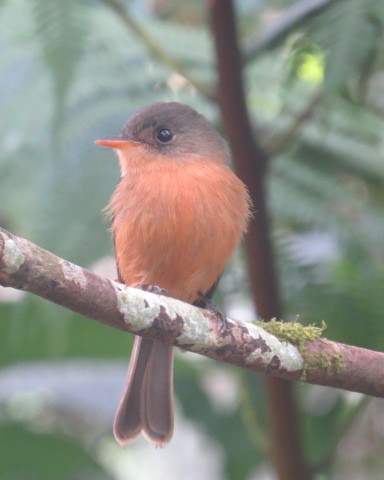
{"x":275,"y":32}
{"x":27,"y":267}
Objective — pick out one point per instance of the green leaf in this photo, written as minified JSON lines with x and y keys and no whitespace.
{"x":61,"y":28}
{"x":28,"y":455}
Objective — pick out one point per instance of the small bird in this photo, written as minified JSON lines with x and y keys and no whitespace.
{"x":178,"y":214}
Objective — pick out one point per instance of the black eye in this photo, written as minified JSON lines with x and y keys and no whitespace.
{"x":164,"y":135}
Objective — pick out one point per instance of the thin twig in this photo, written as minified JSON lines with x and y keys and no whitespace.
{"x":277,"y":141}
{"x":158,"y":53}
{"x":275,"y":32}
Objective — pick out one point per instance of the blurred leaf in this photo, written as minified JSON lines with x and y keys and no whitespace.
{"x":348,"y":35}
{"x":348,"y":41}
{"x":61,"y":28}
{"x":225,"y":427}
{"x":37,"y":456}
{"x":35,"y":329}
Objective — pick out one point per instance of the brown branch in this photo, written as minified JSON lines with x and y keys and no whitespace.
{"x":250,"y":163}
{"x":27,"y":267}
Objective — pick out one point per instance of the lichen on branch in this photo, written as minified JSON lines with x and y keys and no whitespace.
{"x":284,"y":350}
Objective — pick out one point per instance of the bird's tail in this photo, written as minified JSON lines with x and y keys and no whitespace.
{"x":147,"y":401}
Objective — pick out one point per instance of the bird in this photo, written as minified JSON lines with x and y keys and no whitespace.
{"x":178,"y":213}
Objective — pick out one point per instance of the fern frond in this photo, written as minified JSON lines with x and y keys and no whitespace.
{"x":61,"y":28}
{"x":312,"y":197}
{"x":346,"y":33}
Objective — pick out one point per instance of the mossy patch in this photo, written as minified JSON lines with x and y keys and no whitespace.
{"x":292,"y":332}
{"x":321,"y":360}
{"x":298,"y":334}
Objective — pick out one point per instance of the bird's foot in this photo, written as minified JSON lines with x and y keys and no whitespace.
{"x":154,"y":289}
{"x":205,"y":302}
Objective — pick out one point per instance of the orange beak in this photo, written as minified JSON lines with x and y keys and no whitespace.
{"x":117,"y":144}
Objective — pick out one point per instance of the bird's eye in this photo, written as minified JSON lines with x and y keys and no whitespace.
{"x":164,"y":135}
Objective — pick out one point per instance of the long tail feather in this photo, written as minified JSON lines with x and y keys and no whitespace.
{"x":157,"y":395}
{"x":147,"y":401}
{"x":127,"y":423}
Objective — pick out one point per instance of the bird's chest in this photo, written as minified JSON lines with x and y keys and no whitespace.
{"x":159,"y":225}
{"x":157,"y":210}
{"x":177,"y":229}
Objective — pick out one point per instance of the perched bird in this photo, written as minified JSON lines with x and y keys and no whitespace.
{"x":178,"y":214}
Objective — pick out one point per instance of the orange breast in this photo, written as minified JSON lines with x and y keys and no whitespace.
{"x":176,"y":226}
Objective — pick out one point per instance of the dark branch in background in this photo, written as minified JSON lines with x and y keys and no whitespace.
{"x":287,"y":21}
{"x":27,"y":267}
{"x":250,"y":163}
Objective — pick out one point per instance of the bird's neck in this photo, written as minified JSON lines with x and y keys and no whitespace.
{"x":135,"y":161}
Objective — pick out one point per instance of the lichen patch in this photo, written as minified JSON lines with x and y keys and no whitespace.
{"x":73,"y":273}
{"x":289,"y":356}
{"x":13,"y":256}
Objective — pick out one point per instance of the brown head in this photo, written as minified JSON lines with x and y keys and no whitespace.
{"x":163,"y":132}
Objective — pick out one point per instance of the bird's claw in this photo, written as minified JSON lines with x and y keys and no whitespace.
{"x":205,"y":302}
{"x":154,"y":289}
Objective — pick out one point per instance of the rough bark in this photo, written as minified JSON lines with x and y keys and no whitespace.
{"x":27,"y":267}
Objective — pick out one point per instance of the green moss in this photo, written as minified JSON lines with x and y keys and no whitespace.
{"x":338,"y":362}
{"x":292,"y":332}
{"x":317,"y":360}
{"x":321,"y":360}
{"x":296,"y":333}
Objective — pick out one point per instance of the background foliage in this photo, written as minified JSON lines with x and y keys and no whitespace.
{"x":74,"y":71}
